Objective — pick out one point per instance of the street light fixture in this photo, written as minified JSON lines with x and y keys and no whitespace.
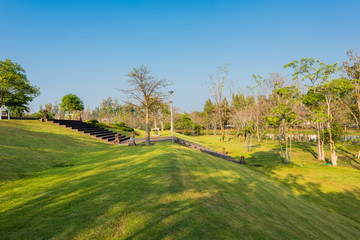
{"x":171,"y":112}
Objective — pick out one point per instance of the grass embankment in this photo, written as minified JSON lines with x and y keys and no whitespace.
{"x":153,"y":192}
{"x":140,"y":133}
{"x":334,"y":187}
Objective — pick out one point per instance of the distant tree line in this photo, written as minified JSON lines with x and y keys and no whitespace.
{"x":319,"y":96}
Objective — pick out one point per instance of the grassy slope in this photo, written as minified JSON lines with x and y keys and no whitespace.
{"x":335,"y":188}
{"x":160,"y":191}
{"x":141,"y":133}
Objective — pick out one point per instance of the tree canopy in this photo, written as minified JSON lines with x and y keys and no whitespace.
{"x":15,"y":89}
{"x":146,"y":89}
{"x":71,"y":102}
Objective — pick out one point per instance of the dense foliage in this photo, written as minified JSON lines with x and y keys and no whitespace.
{"x":16,"y":91}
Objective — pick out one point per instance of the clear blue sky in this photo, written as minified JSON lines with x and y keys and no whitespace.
{"x":87,"y":47}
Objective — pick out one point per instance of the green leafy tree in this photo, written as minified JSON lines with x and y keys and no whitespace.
{"x":331,"y":91}
{"x":16,"y":90}
{"x":284,"y":118}
{"x":184,"y":122}
{"x":71,"y":103}
{"x":248,"y":132}
{"x":314,"y":73}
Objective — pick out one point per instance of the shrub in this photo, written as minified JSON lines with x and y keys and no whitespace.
{"x":92,"y":122}
{"x":167,"y":126}
{"x":122,"y":124}
{"x":122,"y":127}
{"x":101,"y":125}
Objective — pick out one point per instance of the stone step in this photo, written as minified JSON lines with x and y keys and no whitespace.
{"x":91,"y":130}
{"x":105,"y":134}
{"x":88,"y":129}
{"x":85,"y":129}
{"x":108,"y":136}
{"x":97,"y":133}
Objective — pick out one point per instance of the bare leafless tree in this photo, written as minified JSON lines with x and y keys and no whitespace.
{"x":144,"y":87}
{"x":216,"y":89}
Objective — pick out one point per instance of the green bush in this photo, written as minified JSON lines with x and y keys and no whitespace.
{"x":122,"y":127}
{"x":167,"y":126}
{"x":101,"y":125}
{"x":92,"y":122}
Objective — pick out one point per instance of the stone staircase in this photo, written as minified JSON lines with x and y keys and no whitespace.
{"x":88,"y":129}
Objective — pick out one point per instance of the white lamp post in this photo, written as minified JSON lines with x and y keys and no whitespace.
{"x":171,"y":112}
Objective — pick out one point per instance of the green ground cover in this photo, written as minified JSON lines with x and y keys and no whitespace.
{"x":141,"y":133}
{"x":162,"y":191}
{"x":334,"y":187}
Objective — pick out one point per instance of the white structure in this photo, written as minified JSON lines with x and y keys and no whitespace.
{"x":70,"y":116}
{"x":3,"y":109}
{"x":155,"y":132}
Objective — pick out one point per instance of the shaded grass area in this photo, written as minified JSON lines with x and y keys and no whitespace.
{"x":305,"y":175}
{"x":163,"y":191}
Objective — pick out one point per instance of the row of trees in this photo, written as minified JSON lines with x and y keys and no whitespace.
{"x":324,"y":97}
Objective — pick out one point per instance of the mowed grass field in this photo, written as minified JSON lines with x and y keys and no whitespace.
{"x":59,"y":184}
{"x":337,"y":188}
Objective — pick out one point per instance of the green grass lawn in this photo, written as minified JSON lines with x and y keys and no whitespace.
{"x":334,"y":187}
{"x":141,"y":133}
{"x":162,"y":191}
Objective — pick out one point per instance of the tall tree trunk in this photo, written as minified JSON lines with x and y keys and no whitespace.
{"x":290,"y":150}
{"x":281,"y":149}
{"x":266,"y":140}
{"x":333,"y":156}
{"x":358,"y":102}
{"x":280,"y":140}
{"x":322,"y":150}
{"x":319,"y":141}
{"x":147,"y":128}
{"x":251,"y":136}
{"x":286,"y":149}
{"x":222,"y":130}
{"x":246,"y":137}
{"x":155,"y":122}
{"x":257,"y":126}
{"x":162,"y":125}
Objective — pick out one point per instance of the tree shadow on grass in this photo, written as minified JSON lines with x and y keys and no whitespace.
{"x":101,"y":192}
{"x":343,"y":203}
{"x":307,"y":147}
{"x":176,"y":194}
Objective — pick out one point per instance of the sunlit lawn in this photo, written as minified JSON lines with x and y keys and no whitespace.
{"x":141,"y":133}
{"x":305,"y":175}
{"x":163,"y":191}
